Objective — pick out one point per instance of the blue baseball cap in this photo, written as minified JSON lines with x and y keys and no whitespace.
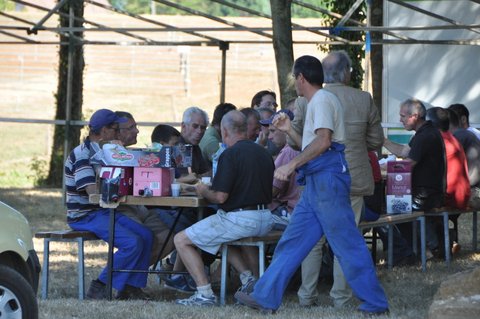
{"x":269,"y":120}
{"x":104,"y":117}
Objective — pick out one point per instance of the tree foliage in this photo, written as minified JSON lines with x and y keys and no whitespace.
{"x":355,"y":52}
{"x":210,"y":7}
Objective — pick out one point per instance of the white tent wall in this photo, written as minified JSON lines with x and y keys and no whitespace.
{"x":437,"y":74}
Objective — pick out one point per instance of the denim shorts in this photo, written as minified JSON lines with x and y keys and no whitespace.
{"x":210,"y":233}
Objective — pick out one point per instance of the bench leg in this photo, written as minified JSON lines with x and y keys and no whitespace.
{"x":81,"y":269}
{"x":46,"y":265}
{"x":446,"y":234}
{"x":390,"y":247}
{"x":223,"y":278}
{"x":261,"y":258}
{"x":414,"y":238}
{"x":474,"y":231}
{"x":423,"y":243}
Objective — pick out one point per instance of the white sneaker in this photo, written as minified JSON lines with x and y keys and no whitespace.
{"x":197,"y":299}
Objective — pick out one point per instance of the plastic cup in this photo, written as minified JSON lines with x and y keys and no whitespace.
{"x":206,"y":180}
{"x":175,"y":190}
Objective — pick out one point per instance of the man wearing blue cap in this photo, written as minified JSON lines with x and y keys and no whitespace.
{"x":286,"y":193}
{"x":132,"y":240}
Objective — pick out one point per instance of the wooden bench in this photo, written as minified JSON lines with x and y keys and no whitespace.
{"x":389,"y":221}
{"x":260,"y":242}
{"x":64,"y":236}
{"x":445,"y":212}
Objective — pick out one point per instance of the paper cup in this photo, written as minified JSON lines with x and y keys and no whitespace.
{"x":175,"y":190}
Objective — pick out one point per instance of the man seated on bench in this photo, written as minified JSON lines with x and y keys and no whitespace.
{"x":127,"y":134}
{"x":242,"y":187}
{"x":133,"y":241}
{"x":471,"y":146}
{"x":426,"y":151}
{"x":457,"y":192}
{"x":285,"y":193}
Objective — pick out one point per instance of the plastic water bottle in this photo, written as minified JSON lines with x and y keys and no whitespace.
{"x":216,"y":156}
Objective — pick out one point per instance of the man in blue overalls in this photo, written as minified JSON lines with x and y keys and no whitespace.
{"x":324,"y":207}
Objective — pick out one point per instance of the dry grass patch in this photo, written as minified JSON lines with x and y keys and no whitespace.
{"x":410,"y":291}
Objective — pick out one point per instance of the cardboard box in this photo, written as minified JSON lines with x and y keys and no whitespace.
{"x":152,"y":181}
{"x":182,"y":155}
{"x":166,"y":157}
{"x":399,"y":187}
{"x":125,"y":186}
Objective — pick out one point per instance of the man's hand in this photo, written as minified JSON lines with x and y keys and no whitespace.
{"x":282,"y":122}
{"x":188,"y":179}
{"x":215,"y":197}
{"x":262,"y":138}
{"x":201,"y":189}
{"x":283,"y":172}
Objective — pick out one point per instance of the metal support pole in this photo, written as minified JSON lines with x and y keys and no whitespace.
{"x":68,"y":109}
{"x":37,"y":26}
{"x":224,"y":46}
{"x":366,"y":82}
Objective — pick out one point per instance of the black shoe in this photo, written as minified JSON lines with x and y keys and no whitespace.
{"x":247,"y":300}
{"x":132,"y":293}
{"x":180,"y":283}
{"x":406,"y":261}
{"x":97,"y":290}
{"x":371,"y":314}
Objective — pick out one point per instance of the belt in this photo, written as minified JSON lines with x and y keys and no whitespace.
{"x":251,"y":207}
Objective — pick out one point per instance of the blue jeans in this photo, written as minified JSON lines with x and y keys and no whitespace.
{"x":133,"y":241}
{"x":324,"y":208}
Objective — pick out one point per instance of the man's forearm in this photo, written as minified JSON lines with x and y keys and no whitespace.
{"x":397,"y":149}
{"x":295,"y":139}
{"x":212,"y":196}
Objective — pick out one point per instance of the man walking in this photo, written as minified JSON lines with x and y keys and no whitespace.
{"x":324,"y":206}
{"x":363,"y":133}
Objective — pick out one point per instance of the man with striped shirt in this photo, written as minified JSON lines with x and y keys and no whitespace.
{"x":132,"y":240}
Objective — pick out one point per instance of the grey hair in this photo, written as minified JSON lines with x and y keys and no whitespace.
{"x":188,"y":114}
{"x":235,"y":122}
{"x":335,"y":66}
{"x":415,"y":106}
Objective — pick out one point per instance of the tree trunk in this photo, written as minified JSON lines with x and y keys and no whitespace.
{"x":55,"y":173}
{"x":282,"y":45}
{"x":376,"y":58}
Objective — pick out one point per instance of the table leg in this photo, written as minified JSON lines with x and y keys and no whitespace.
{"x":170,"y":232}
{"x":111,"y":242}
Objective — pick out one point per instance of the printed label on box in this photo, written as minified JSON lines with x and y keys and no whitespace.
{"x":399,"y":187}
{"x":152,"y":181}
{"x":166,"y":157}
{"x":399,"y":204}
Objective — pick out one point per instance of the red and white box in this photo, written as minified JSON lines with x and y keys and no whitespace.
{"x":125,"y":186}
{"x":399,"y":187}
{"x":154,"y":181}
